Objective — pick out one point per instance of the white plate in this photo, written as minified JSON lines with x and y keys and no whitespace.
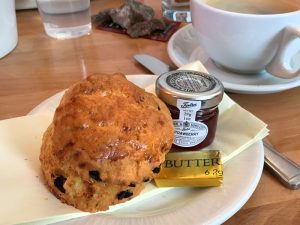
{"x":188,"y":206}
{"x":183,"y":48}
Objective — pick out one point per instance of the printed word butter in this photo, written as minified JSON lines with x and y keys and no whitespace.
{"x":192,"y":169}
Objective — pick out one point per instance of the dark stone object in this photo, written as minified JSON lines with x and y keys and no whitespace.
{"x":134,"y":17}
{"x":145,"y":28}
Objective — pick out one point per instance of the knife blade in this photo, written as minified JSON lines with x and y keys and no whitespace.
{"x":154,"y":65}
{"x":283,"y":168}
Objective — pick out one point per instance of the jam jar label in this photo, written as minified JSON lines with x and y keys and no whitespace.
{"x":188,"y":131}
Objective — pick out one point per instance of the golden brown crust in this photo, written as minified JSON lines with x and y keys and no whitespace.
{"x":108,"y":129}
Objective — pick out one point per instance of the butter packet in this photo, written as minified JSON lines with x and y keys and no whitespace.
{"x":191,"y":169}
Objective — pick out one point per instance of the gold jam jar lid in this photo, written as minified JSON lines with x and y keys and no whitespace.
{"x":189,"y":85}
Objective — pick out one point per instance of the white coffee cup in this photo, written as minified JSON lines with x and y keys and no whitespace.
{"x":246,"y":42}
{"x":8,"y":27}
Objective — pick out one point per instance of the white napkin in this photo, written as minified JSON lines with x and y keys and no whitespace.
{"x":25,"y":198}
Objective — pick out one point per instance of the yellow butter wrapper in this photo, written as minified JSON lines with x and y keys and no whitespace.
{"x":192,"y":169}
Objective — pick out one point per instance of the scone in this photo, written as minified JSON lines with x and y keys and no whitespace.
{"x":107,"y":140}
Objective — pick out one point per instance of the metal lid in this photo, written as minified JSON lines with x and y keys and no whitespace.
{"x":189,"y":85}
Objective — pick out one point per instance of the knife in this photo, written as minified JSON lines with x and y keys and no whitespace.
{"x":153,"y":64}
{"x":283,"y":168}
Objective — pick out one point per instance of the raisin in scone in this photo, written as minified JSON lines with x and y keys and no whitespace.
{"x":107,"y":140}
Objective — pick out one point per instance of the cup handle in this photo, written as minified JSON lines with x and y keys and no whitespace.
{"x":277,"y":66}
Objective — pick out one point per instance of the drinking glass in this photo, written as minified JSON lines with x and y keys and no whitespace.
{"x":176,"y":10}
{"x":64,"y":19}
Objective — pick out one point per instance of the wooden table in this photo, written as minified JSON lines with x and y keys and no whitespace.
{"x":40,"y":66}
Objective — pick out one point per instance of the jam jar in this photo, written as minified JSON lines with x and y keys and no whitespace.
{"x":193,"y":98}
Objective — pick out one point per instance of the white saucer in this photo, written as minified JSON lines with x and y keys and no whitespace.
{"x":183,"y":48}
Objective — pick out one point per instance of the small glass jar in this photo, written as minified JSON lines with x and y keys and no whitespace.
{"x":193,"y":98}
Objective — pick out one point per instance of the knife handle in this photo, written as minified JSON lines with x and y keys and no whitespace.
{"x":286,"y":170}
